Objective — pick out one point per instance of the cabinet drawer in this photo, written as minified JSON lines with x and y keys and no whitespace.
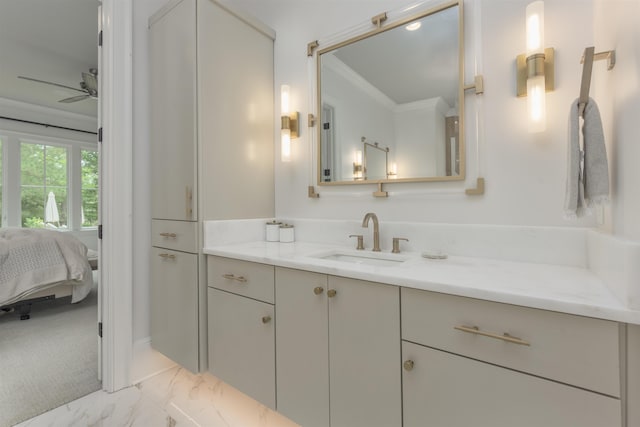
{"x":571,"y":349}
{"x":176,"y":235}
{"x":245,"y":278}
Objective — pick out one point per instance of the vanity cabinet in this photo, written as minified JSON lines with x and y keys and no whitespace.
{"x":337,"y":350}
{"x":472,"y":362}
{"x":241,"y":326}
{"x":211,"y":119}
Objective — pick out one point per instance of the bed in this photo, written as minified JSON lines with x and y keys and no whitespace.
{"x":40,"y":264}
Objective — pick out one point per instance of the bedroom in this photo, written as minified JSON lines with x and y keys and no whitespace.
{"x":48,"y":183}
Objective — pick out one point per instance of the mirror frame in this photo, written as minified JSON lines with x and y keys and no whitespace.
{"x":461,"y":93}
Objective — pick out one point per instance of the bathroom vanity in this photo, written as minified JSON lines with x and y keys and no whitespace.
{"x":457,"y":342}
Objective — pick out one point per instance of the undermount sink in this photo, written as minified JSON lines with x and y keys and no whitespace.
{"x":371,"y":258}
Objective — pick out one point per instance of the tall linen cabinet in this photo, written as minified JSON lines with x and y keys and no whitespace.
{"x":212,"y":132}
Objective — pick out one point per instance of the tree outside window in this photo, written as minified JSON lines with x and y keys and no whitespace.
{"x":43,"y":170}
{"x":89,"y":164}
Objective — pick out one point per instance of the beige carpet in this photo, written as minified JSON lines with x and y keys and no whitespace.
{"x":48,"y":360}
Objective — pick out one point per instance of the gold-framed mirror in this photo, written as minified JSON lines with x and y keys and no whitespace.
{"x":397,"y":89}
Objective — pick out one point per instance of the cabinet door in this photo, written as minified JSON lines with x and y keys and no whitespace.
{"x":364,"y":353}
{"x":302,"y":362}
{"x":235,"y":96}
{"x":242,"y":344}
{"x":173,"y":113}
{"x":445,"y":390}
{"x":174,"y":306}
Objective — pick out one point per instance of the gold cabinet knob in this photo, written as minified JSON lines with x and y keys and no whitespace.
{"x":318,"y":290}
{"x":266,"y":319}
{"x":408,"y":365}
{"x":331,"y":293}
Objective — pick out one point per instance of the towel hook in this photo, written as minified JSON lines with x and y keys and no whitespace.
{"x":587,"y":59}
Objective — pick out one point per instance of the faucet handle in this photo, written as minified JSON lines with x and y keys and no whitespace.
{"x":396,"y":244}
{"x":360,"y":241}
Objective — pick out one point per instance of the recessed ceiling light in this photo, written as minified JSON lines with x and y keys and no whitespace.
{"x":413,"y":26}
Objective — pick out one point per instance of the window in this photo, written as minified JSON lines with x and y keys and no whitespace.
{"x":44,"y":185}
{"x":48,"y":181}
{"x":89,"y":164}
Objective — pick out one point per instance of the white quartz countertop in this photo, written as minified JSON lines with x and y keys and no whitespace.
{"x":564,"y":289}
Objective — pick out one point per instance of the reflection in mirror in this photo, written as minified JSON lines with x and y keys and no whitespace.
{"x":375,"y":161}
{"x":401,"y":86}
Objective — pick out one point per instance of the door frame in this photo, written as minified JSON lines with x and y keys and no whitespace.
{"x":116,"y":210}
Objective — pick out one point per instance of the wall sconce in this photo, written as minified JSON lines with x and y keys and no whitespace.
{"x":535,"y":68}
{"x":289,"y":128}
{"x":393,"y":171}
{"x":357,"y":166}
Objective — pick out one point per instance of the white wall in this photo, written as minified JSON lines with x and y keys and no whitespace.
{"x":420,"y":136}
{"x":617,"y":93}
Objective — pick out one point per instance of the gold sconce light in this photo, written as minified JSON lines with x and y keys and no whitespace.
{"x":535,"y":68}
{"x":358,"y":168}
{"x":290,"y":122}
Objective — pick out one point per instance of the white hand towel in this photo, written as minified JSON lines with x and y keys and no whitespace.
{"x":587,"y":170}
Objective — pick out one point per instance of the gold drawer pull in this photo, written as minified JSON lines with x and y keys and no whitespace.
{"x":504,"y":337}
{"x":233,"y":277}
{"x":167,"y":256}
{"x":266,"y":319}
{"x":318,"y":290}
{"x":172,"y":235}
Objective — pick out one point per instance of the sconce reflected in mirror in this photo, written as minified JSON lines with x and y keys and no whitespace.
{"x":535,"y":68}
{"x":357,"y":165}
{"x":289,"y":128}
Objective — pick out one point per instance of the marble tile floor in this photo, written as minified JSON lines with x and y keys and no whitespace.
{"x":171,"y":398}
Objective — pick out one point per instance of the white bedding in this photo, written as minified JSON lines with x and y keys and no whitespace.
{"x":35,"y":259}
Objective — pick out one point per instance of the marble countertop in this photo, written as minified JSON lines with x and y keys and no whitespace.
{"x":566,"y":289}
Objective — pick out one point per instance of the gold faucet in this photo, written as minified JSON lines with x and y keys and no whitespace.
{"x":376,"y":229}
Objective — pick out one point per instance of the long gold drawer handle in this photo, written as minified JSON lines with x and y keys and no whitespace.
{"x":172,"y":235}
{"x":233,"y":277}
{"x":167,"y":256}
{"x":504,"y":337}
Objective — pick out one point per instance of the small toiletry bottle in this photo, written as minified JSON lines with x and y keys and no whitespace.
{"x":273,"y":231}
{"x":286,"y":233}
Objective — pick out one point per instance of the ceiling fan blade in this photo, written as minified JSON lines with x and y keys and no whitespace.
{"x":50,"y":83}
{"x":74,"y":99}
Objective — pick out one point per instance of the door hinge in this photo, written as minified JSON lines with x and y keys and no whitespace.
{"x":100,"y":135}
{"x":100,"y":329}
{"x":100,"y":38}
{"x":100,"y":231}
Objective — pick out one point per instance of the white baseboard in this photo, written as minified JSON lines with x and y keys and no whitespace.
{"x":147,"y":362}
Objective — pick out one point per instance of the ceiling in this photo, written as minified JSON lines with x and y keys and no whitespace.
{"x":51,"y":40}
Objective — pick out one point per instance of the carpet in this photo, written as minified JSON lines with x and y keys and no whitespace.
{"x":48,"y":360}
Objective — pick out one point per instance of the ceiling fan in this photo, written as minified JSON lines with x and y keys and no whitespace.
{"x":88,"y":86}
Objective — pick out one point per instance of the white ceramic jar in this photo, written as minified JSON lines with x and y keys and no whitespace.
{"x":286,"y":233}
{"x":272,"y":231}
